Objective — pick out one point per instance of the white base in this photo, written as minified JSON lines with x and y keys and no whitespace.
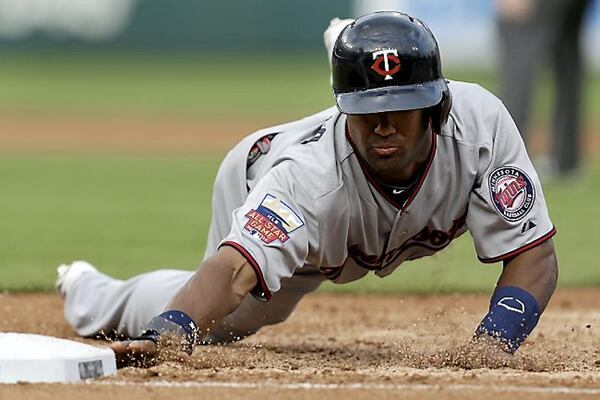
{"x":36,"y":358}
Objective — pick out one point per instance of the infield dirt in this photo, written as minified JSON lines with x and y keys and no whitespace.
{"x":166,"y":134}
{"x":351,"y":346}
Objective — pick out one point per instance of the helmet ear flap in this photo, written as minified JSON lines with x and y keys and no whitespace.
{"x":446,"y":105}
{"x":442,"y":111}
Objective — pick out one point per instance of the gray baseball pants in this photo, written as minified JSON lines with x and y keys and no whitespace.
{"x":99,"y":303}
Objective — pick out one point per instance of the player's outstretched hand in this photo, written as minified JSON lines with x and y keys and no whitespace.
{"x":144,"y":353}
{"x":135,"y":353}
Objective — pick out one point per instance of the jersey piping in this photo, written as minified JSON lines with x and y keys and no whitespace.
{"x":262,"y":284}
{"x":520,"y":250}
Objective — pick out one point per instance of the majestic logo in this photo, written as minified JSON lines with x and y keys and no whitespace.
{"x":527,"y":226}
{"x":272,"y":220}
{"x":387,"y":57}
{"x":512,"y":193}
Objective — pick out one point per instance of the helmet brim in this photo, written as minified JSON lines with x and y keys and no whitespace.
{"x":392,"y":98}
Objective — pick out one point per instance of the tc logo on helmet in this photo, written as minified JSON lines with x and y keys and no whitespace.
{"x":386,"y":57}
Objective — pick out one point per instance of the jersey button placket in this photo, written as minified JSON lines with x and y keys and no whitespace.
{"x":396,"y":235}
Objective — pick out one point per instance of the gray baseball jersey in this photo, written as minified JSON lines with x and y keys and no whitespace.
{"x":296,"y":197}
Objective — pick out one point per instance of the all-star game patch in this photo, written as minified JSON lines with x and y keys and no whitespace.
{"x":512,"y":192}
{"x":272,"y":220}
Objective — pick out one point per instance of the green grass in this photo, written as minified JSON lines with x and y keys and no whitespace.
{"x":132,"y":214}
{"x":129,"y":214}
{"x":289,"y":85}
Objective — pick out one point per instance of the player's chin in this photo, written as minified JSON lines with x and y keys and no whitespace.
{"x":393,"y":156}
{"x":386,"y":171}
{"x":389,"y":164}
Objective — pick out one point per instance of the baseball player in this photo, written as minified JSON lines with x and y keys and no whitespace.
{"x":406,"y":163}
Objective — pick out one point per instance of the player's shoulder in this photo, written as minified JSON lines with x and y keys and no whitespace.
{"x":302,"y":153}
{"x":313,"y":158}
{"x":294,"y":129}
{"x":471,"y":95}
{"x":474,"y":113}
{"x":281,"y":138}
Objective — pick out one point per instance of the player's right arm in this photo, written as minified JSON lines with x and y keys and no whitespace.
{"x":270,"y":237}
{"x":213,"y":292}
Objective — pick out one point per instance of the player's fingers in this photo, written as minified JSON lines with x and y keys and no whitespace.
{"x":135,"y":353}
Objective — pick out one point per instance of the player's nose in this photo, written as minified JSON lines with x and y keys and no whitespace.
{"x":384,"y":127}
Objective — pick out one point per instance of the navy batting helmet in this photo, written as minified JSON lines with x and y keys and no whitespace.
{"x":388,"y":61}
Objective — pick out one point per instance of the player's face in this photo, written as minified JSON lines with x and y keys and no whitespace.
{"x":393,"y":143}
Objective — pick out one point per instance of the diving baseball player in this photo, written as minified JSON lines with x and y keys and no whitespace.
{"x":406,"y":163}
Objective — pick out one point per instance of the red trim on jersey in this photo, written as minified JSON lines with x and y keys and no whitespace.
{"x":520,"y":250}
{"x":253,"y":264}
{"x":332,"y":273}
{"x":429,"y":162}
{"x":376,"y":185}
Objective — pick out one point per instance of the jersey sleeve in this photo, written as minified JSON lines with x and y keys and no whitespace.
{"x":507,"y":212}
{"x":273,"y":229}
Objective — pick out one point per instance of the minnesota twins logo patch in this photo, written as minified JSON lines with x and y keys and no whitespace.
{"x":512,"y":192}
{"x":272,"y":220}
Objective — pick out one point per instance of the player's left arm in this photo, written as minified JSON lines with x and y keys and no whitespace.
{"x":535,"y":271}
{"x":522,"y":293}
{"x":509,"y":222}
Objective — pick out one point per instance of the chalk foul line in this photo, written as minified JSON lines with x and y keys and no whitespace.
{"x":357,"y":386}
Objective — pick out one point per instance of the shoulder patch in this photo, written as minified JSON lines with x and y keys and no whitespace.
{"x":272,"y":220}
{"x":512,"y":192}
